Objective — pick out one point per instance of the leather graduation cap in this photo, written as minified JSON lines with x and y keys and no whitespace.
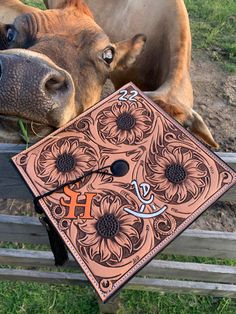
{"x":119,"y":183}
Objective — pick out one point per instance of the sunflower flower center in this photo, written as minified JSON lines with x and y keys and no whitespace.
{"x":108,"y":226}
{"x":175,"y":173}
{"x":126,"y":121}
{"x":65,"y":163}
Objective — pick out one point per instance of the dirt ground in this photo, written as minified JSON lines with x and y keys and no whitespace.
{"x":215,"y":100}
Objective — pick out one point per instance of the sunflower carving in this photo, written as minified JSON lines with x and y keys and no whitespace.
{"x":177,"y":174}
{"x":110,"y":233}
{"x":65,"y":160}
{"x":125,"y":123}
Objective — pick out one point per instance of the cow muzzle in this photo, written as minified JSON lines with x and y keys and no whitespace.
{"x":36,"y":89}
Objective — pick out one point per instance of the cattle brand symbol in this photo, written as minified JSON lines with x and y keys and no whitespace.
{"x":145,"y":187}
{"x":73,"y":203}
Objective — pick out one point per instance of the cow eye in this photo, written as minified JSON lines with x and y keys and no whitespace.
{"x":11,"y":34}
{"x":108,"y":55}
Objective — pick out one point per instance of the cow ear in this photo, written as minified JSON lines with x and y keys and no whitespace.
{"x":61,"y":4}
{"x":127,"y":52}
{"x":198,"y":127}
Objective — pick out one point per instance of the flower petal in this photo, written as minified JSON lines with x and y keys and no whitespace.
{"x":115,"y":207}
{"x":121,"y":136}
{"x":138,"y":133}
{"x":127,"y":229}
{"x":130,"y":136}
{"x":53,"y":177}
{"x":192,"y":187}
{"x":115,"y":249}
{"x":94,"y":250}
{"x":104,"y":251}
{"x":128,"y":220}
{"x":65,"y":148}
{"x":74,"y":147}
{"x":55,"y":150}
{"x":124,"y":241}
{"x":182,"y":193}
{"x":171,"y":192}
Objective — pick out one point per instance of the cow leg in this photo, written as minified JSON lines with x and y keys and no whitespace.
{"x":185,"y":116}
{"x":175,"y":95}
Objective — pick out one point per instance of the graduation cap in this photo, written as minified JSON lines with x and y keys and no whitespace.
{"x":118,"y":184}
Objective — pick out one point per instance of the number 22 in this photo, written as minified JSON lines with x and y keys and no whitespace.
{"x":131,"y":97}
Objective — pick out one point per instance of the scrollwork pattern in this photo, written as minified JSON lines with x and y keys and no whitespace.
{"x":181,"y":175}
{"x":164,"y":226}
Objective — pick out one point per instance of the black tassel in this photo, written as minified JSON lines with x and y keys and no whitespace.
{"x":37,"y":206}
{"x":57,"y":245}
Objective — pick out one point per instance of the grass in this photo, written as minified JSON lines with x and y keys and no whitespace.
{"x":30,"y":298}
{"x":35,"y":3}
{"x":24,"y":132}
{"x":35,"y":298}
{"x":17,"y":298}
{"x":213,"y":24}
{"x":152,"y":303}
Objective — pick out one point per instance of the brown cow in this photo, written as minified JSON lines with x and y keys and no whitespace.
{"x":162,"y":70}
{"x":65,"y":66}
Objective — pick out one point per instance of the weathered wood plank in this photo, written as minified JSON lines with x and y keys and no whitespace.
{"x":44,"y":277}
{"x":230,"y":195}
{"x":158,"y":285}
{"x":29,"y":258}
{"x":204,"y":243}
{"x":190,"y":271}
{"x":176,"y":286}
{"x":229,"y":158}
{"x":13,"y":186}
{"x":155,"y":269}
{"x":11,"y":148}
{"x":24,"y":229}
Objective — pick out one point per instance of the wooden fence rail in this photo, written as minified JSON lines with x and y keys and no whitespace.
{"x":23,"y":229}
{"x":12,"y":185}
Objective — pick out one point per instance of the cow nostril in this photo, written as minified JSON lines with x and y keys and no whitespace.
{"x":56,"y":83}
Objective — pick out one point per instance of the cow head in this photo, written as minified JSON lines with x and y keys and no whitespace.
{"x":54,"y":63}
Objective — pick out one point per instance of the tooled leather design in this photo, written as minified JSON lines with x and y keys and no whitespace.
{"x":165,"y":162}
